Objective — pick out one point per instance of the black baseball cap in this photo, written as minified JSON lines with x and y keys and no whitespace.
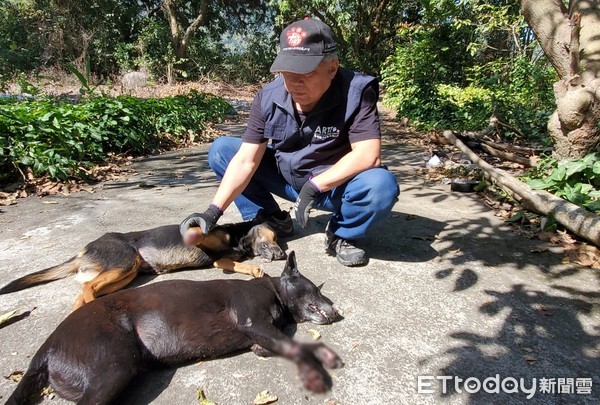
{"x":302,"y":46}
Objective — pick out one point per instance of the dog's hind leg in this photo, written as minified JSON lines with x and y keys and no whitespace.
{"x":108,"y":386}
{"x":108,"y":282}
{"x":310,"y":358}
{"x":237,"y":267}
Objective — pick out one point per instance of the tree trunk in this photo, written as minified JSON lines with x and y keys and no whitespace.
{"x":570,"y":38}
{"x":180,"y":38}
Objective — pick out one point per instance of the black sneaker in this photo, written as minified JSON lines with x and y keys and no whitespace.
{"x":345,"y":251}
{"x":281,"y":222}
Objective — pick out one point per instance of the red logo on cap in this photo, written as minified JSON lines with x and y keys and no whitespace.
{"x":295,"y":36}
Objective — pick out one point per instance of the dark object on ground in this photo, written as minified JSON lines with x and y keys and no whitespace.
{"x":464,"y":186}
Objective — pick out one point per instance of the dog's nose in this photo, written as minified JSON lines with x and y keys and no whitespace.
{"x":336,"y":315}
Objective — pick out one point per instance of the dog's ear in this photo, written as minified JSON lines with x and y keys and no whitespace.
{"x":291,"y":268}
{"x":247,"y":244}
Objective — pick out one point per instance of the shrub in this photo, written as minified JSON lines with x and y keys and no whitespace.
{"x":576,"y":180}
{"x":60,"y":139}
{"x":437,"y":86}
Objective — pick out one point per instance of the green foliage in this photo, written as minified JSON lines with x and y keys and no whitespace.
{"x":365,"y":30}
{"x":521,"y":89}
{"x":19,"y":41}
{"x":126,"y":57}
{"x":434,"y":80}
{"x":60,"y":139}
{"x":154,"y":42}
{"x":466,"y":107}
{"x":84,"y":78}
{"x":246,"y":59}
{"x":576,"y":180}
{"x":425,"y":59}
{"x":26,"y":86}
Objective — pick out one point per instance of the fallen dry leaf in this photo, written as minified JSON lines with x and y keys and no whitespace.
{"x":48,"y":392}
{"x":143,"y":184}
{"x":314,"y":333}
{"x":15,"y":376}
{"x":565,"y":237}
{"x":585,"y":255}
{"x":529,"y":358}
{"x":264,"y":397}
{"x":544,"y":310}
{"x":202,"y":398}
{"x":7,"y":316}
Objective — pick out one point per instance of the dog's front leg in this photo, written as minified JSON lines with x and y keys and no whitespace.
{"x":310,"y":358}
{"x":237,"y":267}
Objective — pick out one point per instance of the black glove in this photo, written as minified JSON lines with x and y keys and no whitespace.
{"x":206,"y":221}
{"x":305,"y":201}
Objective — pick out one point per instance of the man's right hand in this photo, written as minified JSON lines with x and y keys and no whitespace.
{"x":206,"y":220}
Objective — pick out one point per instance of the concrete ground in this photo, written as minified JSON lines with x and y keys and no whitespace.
{"x":450,"y":294}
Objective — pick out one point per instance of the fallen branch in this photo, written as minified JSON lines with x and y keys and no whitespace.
{"x":503,"y":150}
{"x":517,"y":149}
{"x":514,"y":129}
{"x":486,"y":146}
{"x":583,"y":223}
{"x":527,"y":162}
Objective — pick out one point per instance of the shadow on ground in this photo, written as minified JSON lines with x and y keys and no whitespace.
{"x":539,"y":331}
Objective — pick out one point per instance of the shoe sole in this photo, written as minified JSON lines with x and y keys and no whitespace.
{"x":348,"y":263}
{"x":358,"y":263}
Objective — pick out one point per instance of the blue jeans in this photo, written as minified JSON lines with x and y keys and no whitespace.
{"x":357,"y":205}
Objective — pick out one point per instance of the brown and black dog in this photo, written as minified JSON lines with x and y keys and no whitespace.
{"x":112,"y":261}
{"x":97,"y":350}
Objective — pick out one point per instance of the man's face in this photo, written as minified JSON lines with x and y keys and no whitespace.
{"x":308,"y":88}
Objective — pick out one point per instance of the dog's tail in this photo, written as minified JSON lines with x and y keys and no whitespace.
{"x":43,"y":276}
{"x":30,"y":386}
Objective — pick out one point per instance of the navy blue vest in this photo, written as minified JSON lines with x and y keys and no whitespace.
{"x":305,"y":151}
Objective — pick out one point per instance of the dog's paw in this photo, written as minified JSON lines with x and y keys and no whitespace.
{"x":328,"y":357}
{"x":314,"y":379}
{"x":257,"y":272}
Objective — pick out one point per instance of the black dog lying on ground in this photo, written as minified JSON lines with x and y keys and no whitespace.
{"x":113,"y":260}
{"x":96,"y":351}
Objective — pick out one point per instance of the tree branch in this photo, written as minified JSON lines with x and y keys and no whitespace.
{"x":198,"y":21}
{"x":173,"y":24}
{"x":330,"y":20}
{"x":376,"y":24}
